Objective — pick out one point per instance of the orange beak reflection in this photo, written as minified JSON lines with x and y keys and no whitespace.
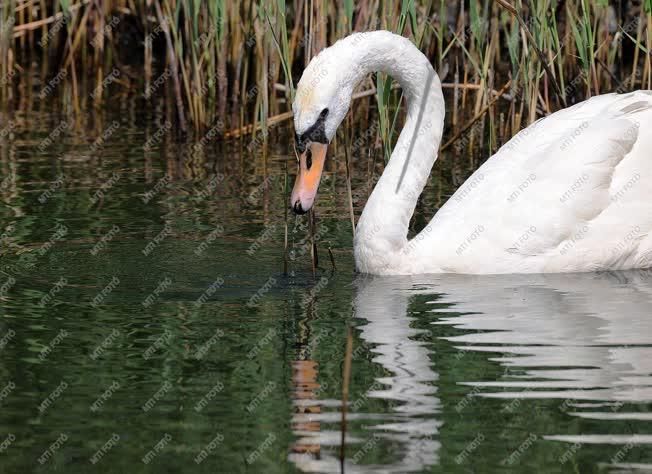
{"x":311,"y":165}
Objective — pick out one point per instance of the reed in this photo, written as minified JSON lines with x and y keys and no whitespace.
{"x":7,"y":19}
{"x":232,"y":67}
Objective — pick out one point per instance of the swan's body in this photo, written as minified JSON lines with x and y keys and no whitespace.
{"x":571,"y":193}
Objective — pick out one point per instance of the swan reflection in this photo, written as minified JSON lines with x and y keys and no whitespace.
{"x":580,"y":337}
{"x":382,"y":305}
{"x":583,"y":339}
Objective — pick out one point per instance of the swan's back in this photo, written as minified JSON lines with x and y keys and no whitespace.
{"x":572,"y":192}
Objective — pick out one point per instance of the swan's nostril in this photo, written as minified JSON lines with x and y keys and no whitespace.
{"x":297,"y":208}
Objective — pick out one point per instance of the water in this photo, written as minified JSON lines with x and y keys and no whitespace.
{"x":151,"y":328}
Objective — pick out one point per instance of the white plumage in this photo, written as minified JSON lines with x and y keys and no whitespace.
{"x":570,"y":193}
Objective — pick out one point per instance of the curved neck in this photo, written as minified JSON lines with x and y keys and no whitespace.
{"x":381,"y":234}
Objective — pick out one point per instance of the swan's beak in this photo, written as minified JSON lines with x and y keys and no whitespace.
{"x":311,"y":165}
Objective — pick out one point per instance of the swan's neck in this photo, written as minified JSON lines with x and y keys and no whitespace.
{"x":381,"y":236}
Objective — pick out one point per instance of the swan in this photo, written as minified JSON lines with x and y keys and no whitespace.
{"x":570,"y":193}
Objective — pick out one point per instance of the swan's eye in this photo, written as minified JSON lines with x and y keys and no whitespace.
{"x":324,"y":113}
{"x":308,"y":159}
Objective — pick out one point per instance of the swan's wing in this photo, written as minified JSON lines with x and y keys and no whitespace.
{"x":571,"y":192}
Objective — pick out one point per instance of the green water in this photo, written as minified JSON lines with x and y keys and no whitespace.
{"x":152,"y":328}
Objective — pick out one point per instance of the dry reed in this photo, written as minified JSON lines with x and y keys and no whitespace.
{"x":232,"y":66}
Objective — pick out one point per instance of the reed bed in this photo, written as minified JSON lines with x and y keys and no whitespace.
{"x":228,"y":69}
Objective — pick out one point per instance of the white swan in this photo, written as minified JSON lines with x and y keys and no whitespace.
{"x":571,"y":193}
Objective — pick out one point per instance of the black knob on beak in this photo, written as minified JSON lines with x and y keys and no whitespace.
{"x":297,"y":208}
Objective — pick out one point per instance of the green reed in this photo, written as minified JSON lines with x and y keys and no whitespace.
{"x":233,"y":66}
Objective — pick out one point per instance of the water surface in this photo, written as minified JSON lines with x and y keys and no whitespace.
{"x":147,"y":325}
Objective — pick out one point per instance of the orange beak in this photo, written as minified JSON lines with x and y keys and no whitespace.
{"x":311,"y":165}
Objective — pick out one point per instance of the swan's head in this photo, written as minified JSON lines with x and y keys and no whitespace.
{"x":322,"y":101}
